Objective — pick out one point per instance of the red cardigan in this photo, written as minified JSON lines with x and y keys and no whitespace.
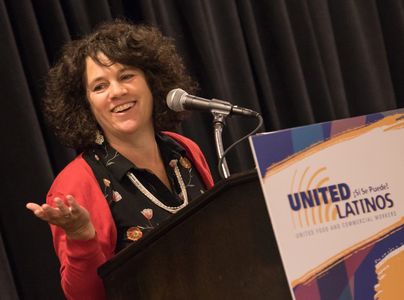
{"x":80,"y":259}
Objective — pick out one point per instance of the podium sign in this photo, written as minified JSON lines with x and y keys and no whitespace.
{"x":335,"y":196}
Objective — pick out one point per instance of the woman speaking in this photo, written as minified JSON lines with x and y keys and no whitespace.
{"x":105,"y":97}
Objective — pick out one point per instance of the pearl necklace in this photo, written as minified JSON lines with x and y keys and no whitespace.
{"x":152,"y":198}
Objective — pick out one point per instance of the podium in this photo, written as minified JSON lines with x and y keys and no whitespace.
{"x":220,"y":246}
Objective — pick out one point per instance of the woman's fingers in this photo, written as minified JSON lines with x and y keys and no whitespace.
{"x":64,"y":211}
{"x":32,"y":206}
{"x":68,"y":215}
{"x":74,"y":206}
{"x":36,"y":209}
{"x":58,"y":215}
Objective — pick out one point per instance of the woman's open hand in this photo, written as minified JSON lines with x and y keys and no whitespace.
{"x":67,"y":214}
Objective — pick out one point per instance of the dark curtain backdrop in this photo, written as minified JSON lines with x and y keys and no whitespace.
{"x":296,"y":61}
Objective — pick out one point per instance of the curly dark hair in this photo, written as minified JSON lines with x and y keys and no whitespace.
{"x":65,"y":105}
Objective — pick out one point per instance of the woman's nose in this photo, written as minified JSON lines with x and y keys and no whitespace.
{"x":117,"y":89}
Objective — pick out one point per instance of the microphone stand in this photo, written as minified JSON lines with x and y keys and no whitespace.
{"x":219,"y":117}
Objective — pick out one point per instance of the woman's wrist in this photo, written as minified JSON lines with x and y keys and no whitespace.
{"x":83,"y":233}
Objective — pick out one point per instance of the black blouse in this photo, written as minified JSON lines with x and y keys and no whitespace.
{"x":134,"y":213}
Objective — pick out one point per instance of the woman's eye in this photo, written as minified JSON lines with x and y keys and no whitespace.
{"x":99,"y":87}
{"x":127,"y":76}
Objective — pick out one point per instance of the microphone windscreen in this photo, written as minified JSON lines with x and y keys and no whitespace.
{"x":174,"y":99}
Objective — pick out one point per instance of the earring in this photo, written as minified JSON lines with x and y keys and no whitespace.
{"x":99,"y":138}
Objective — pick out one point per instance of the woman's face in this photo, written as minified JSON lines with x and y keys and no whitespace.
{"x":120,"y":98}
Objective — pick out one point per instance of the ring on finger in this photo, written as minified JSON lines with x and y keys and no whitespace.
{"x":68,"y":215}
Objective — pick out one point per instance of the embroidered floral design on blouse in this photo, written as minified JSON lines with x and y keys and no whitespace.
{"x":134,"y":233}
{"x":188,"y":182}
{"x":111,"y":160}
{"x":116,"y":196}
{"x":107,"y":183}
{"x":186,"y":172}
{"x":172,"y":163}
{"x":148,"y":213}
{"x":185,"y":162}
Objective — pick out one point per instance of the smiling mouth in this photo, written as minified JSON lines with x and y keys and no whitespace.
{"x":123,"y":107}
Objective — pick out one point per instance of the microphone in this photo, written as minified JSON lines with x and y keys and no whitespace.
{"x":179,"y":100}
